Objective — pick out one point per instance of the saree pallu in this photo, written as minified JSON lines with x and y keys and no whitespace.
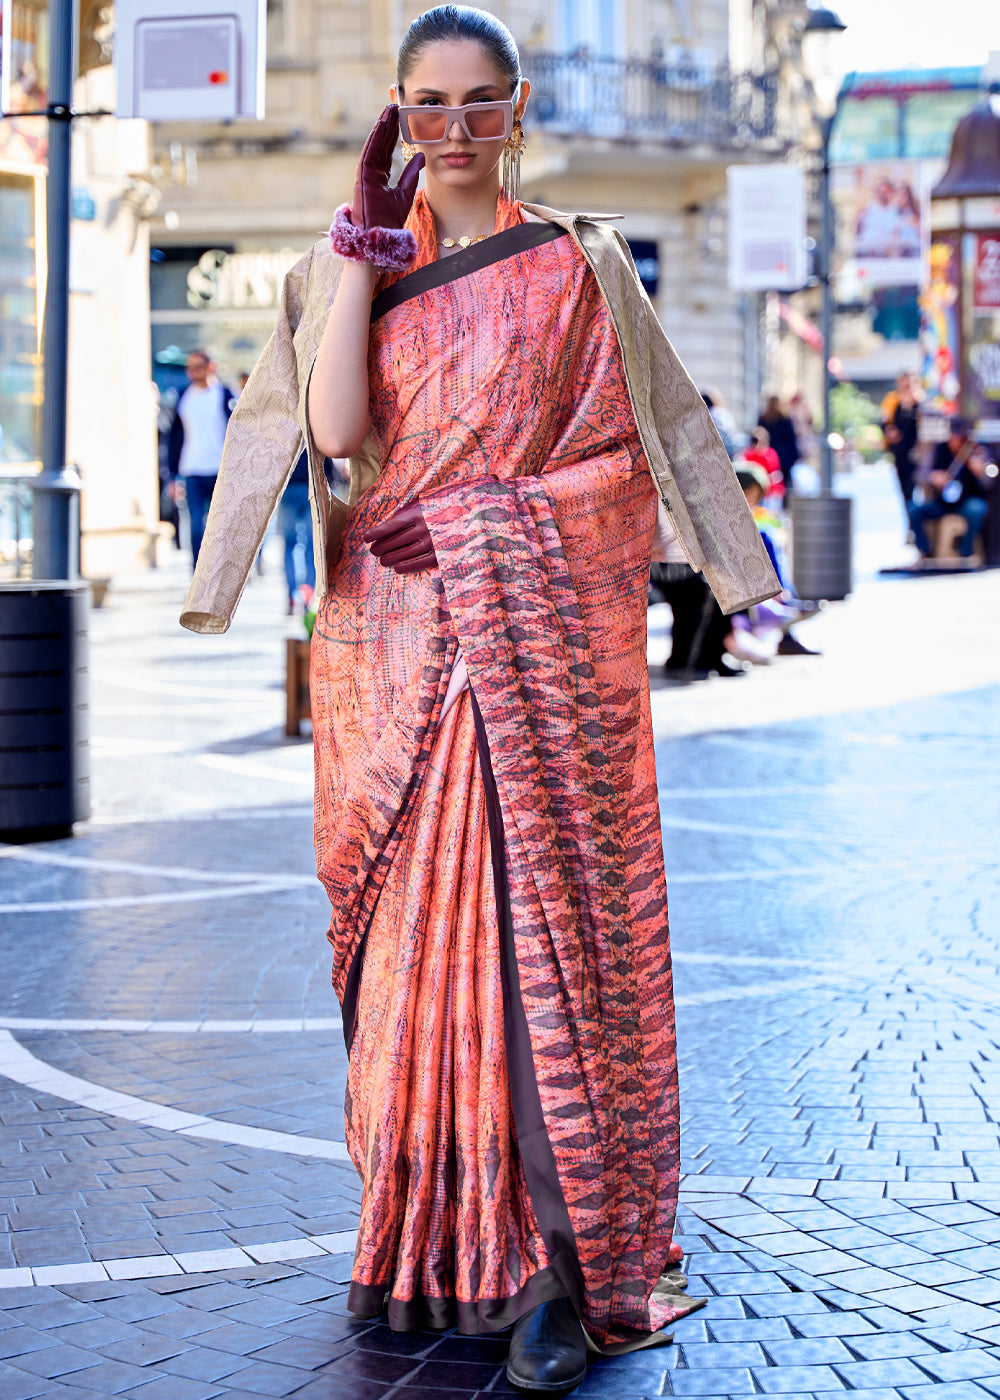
{"x":496,"y":872}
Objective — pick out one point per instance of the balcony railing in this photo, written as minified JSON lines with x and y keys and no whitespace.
{"x":636,"y":99}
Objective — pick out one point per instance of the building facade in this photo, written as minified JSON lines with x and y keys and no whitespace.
{"x":637,"y":108}
{"x":182,"y":232}
{"x":112,"y":417}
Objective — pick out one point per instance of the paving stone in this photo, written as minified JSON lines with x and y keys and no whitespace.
{"x":961,"y":1366}
{"x":18,"y":1385}
{"x":884,"y":1345}
{"x":896,"y":1371}
{"x":712,"y":1381}
{"x":957,"y":1390}
{"x":793,"y":1380}
{"x":823,"y":1093}
{"x":808,"y":1351}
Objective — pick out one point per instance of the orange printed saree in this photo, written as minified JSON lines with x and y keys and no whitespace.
{"x":495,"y":867}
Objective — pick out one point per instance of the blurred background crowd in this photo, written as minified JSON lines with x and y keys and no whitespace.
{"x":182,"y":232}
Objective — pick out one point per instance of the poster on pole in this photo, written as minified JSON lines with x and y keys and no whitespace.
{"x":940,"y":331}
{"x":882,"y":235}
{"x":24,"y":80}
{"x":767,"y":228}
{"x":986,"y":275}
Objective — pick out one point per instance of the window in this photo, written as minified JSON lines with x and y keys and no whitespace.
{"x":20,"y":362}
{"x":591,"y":24}
{"x":276,"y":26}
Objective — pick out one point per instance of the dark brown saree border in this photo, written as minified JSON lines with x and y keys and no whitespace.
{"x":444,"y":270}
{"x":439,"y":1314}
{"x":537,"y":1157}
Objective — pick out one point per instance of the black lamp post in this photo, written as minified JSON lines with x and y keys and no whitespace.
{"x":44,"y":732}
{"x":821,"y":525}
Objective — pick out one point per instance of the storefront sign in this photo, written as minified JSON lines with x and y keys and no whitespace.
{"x":986,"y":276}
{"x":84,"y":206}
{"x":238,"y":281}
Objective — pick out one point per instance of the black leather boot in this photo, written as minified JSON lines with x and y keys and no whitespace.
{"x":547,"y":1349}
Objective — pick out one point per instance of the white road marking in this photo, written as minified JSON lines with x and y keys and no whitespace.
{"x":165,"y":872}
{"x":201,"y":1261}
{"x":128,"y":901}
{"x":21,"y":1066}
{"x":191,"y":814}
{"x":207,"y":1026}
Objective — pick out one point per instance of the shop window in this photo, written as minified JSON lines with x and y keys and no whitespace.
{"x":20,"y":319}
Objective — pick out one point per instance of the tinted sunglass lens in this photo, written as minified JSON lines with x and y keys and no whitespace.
{"x":485,"y":124}
{"x":428,"y":125}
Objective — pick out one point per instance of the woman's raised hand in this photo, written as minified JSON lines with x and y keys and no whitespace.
{"x":376,"y":203}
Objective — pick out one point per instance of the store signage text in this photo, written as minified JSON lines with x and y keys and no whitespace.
{"x":238,"y":281}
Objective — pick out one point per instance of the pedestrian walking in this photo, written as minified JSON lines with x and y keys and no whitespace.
{"x":783,"y":438}
{"x":486,"y":806}
{"x":295,"y":524}
{"x":197,"y":435}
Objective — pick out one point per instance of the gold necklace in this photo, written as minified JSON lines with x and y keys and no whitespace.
{"x":466,"y":241}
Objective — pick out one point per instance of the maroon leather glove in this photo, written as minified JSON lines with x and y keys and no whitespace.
{"x":376,"y":204}
{"x":371,"y":229}
{"x":403,"y":542}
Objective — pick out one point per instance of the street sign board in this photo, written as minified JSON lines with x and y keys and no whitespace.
{"x":767,"y":228}
{"x":190,"y":60}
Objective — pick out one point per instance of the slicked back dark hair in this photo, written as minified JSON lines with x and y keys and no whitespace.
{"x":449,"y":22}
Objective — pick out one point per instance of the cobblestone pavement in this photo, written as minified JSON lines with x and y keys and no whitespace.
{"x":179,"y":1206}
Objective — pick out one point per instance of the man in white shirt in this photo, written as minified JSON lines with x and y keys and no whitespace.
{"x":196,"y":438}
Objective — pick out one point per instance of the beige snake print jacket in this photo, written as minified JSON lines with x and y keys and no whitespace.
{"x":696,"y":481}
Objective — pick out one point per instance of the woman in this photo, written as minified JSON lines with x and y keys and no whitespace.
{"x":900,"y":429}
{"x":782,"y":437}
{"x":487,"y":823}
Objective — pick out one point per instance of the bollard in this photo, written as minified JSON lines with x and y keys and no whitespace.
{"x":44,"y":709}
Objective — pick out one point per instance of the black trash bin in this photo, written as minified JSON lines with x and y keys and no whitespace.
{"x":822,"y":544}
{"x":44,"y":709}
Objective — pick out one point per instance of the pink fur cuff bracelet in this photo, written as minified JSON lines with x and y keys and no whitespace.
{"x":391,"y":248}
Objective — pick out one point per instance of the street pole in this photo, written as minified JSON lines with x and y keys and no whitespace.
{"x":44,"y":722}
{"x":826,"y":323}
{"x":821,"y":524}
{"x":55,"y":549}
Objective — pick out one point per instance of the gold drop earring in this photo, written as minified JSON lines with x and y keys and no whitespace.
{"x":408,"y":151}
{"x":511,"y":172}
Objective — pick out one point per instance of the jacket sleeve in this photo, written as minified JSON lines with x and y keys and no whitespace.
{"x":688,"y":457}
{"x":733,"y":557}
{"x":263,"y":442}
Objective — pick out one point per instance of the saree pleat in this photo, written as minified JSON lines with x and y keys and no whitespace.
{"x":499,"y":902}
{"x":447,"y":1204}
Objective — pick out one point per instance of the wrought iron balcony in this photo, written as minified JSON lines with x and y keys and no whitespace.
{"x":640,"y":99}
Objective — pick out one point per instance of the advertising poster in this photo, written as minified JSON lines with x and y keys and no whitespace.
{"x":24,"y":80}
{"x":882,"y":235}
{"x":986,"y":275}
{"x":939,"y":325}
{"x":982,"y":374}
{"x":767,"y":228}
